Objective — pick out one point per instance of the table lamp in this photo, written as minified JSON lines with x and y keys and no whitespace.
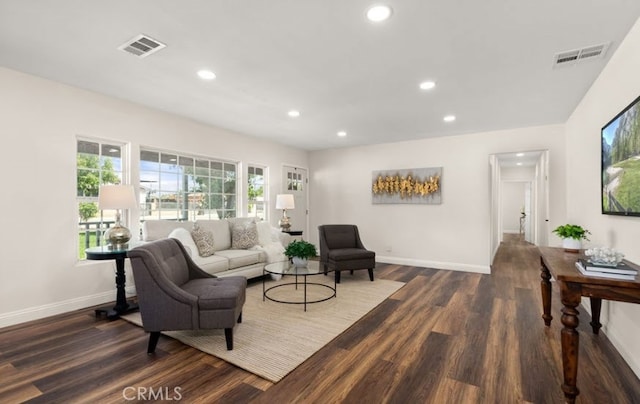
{"x":284,"y":202}
{"x":117,"y":197}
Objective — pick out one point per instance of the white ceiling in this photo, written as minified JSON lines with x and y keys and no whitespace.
{"x":492,"y":61}
{"x":519,"y":159}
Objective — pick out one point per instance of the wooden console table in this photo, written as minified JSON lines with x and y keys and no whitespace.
{"x":573,"y":285}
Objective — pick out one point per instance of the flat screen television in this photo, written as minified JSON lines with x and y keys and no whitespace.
{"x":620,"y":170}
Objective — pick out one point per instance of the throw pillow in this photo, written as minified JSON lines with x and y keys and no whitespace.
{"x":264,"y":233}
{"x":244,"y":235}
{"x":203,"y":240}
{"x":186,"y":239}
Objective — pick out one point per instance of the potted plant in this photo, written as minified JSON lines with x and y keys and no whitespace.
{"x":572,"y":236}
{"x":299,"y":251}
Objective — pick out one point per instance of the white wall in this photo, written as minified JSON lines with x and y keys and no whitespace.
{"x":452,"y":235}
{"x":40,"y":120}
{"x":615,"y":88}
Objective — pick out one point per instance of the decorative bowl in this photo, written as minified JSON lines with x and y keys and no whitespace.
{"x":604,"y":256}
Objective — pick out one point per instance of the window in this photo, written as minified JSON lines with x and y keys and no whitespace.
{"x":294,"y":181}
{"x":181,"y":187}
{"x":97,"y":163}
{"x":256,"y":184}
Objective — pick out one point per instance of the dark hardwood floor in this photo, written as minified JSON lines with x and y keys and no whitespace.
{"x":446,"y":337}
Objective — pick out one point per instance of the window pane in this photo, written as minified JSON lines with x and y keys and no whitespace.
{"x":230,"y":187}
{"x":150,"y":156}
{"x":201,"y":184}
{"x":202,"y":167}
{"x":88,"y":182}
{"x":216,"y":169}
{"x":216,"y":185}
{"x":229,"y":202}
{"x":88,"y":147}
{"x":230,"y":170}
{"x":215,"y":201}
{"x":168,"y":159}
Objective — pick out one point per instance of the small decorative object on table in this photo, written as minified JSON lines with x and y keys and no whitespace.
{"x":604,"y":256}
{"x":300,"y":249}
{"x":572,"y":236}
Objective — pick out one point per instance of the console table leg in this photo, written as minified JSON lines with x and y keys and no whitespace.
{"x":596,"y":305}
{"x":570,"y":339}
{"x":545,"y":288}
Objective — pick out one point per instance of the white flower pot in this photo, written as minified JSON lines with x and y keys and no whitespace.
{"x":299,"y":262}
{"x":571,"y":245}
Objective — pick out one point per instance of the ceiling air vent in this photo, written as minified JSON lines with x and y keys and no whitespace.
{"x":569,"y":58}
{"x":141,"y":46}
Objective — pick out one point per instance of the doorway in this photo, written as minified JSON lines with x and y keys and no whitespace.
{"x":519,"y":197}
{"x":295,"y":182}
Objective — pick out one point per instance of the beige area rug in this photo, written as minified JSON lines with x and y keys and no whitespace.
{"x":274,"y":338}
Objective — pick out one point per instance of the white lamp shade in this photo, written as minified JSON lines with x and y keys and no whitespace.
{"x":285,"y":201}
{"x":117,"y":197}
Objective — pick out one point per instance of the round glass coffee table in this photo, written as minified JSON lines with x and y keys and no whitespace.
{"x":286,"y":269}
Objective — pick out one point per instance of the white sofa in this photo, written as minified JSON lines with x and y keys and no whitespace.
{"x":225,"y":260}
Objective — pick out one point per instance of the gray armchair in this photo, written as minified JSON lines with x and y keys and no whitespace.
{"x":175,"y":294}
{"x":341,"y":249}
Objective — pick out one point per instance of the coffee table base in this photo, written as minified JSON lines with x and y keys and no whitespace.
{"x":304,"y":300}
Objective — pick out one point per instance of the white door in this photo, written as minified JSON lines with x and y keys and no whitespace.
{"x":295,"y":182}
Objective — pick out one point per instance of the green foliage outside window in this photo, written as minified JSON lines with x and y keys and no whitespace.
{"x":89,"y":173}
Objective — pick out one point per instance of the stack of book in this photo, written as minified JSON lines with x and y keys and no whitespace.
{"x":619,"y":271}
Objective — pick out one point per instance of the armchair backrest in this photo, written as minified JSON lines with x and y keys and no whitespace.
{"x":160,"y":268}
{"x":164,"y":260}
{"x":337,"y":236}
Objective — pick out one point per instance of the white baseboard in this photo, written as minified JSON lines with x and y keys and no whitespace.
{"x":435,"y":264}
{"x":52,"y":309}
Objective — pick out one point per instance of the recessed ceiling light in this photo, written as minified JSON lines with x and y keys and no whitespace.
{"x":427,"y":85}
{"x":378,"y":13}
{"x":206,"y":74}
{"x":293,"y":113}
{"x":519,"y":154}
{"x":518,"y":164}
{"x":449,"y":118}
{"x":342,"y":133}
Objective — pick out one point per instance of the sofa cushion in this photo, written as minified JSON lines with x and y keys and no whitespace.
{"x":220,"y":230}
{"x":212,"y":264}
{"x":244,"y":235}
{"x":241,"y":258}
{"x":203,"y":239}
